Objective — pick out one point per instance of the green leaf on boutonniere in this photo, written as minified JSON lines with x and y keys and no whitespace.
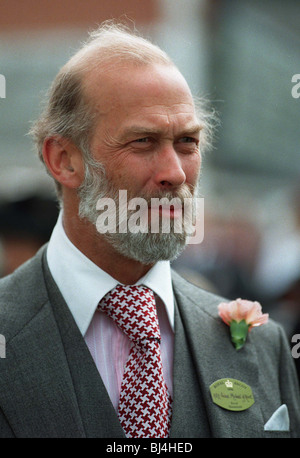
{"x":241,"y":316}
{"x":239,"y":331}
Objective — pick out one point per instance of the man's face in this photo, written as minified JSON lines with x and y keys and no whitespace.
{"x":147,"y":134}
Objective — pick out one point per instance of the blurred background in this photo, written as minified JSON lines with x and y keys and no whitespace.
{"x":241,"y":55}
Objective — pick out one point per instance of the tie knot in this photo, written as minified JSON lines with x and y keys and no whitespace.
{"x":133,"y":309}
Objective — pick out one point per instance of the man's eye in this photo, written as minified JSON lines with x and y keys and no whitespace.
{"x":188,"y":140}
{"x":142,"y":140}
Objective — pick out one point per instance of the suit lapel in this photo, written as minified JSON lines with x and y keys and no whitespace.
{"x":188,"y":419}
{"x":214,"y":358}
{"x":97,"y":412}
{"x":40,"y":401}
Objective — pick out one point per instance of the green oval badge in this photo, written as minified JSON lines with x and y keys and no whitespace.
{"x":231,"y":394}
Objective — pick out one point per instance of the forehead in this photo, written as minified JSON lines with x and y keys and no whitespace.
{"x":134,"y":91}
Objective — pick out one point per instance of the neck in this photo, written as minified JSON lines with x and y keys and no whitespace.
{"x":84,"y":236}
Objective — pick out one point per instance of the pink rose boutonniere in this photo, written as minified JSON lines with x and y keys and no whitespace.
{"x":241,"y":316}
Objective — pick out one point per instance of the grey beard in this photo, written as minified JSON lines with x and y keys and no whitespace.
{"x":146,"y":248}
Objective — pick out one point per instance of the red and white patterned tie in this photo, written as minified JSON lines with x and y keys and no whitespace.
{"x":145,"y":405}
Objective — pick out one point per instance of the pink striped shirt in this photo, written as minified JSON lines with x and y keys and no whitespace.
{"x":83,"y":284}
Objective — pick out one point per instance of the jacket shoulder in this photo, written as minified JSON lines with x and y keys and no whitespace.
{"x":205,"y":302}
{"x":202,"y":300}
{"x":22,"y":294}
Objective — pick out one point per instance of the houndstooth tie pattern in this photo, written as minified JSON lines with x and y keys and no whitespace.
{"x":145,"y":404}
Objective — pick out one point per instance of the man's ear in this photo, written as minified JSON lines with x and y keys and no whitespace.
{"x":64,"y":161}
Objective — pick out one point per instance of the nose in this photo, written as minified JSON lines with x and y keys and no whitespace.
{"x":169,"y":172}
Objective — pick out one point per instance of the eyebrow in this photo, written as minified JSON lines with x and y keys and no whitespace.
{"x":193,"y":129}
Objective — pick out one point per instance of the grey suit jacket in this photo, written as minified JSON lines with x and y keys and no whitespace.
{"x":50,"y":386}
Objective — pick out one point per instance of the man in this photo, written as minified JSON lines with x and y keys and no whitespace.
{"x":120,"y":116}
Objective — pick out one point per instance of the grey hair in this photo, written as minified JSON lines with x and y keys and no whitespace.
{"x":67,"y":110}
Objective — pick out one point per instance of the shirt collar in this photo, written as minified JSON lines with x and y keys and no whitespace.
{"x":83,"y":284}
